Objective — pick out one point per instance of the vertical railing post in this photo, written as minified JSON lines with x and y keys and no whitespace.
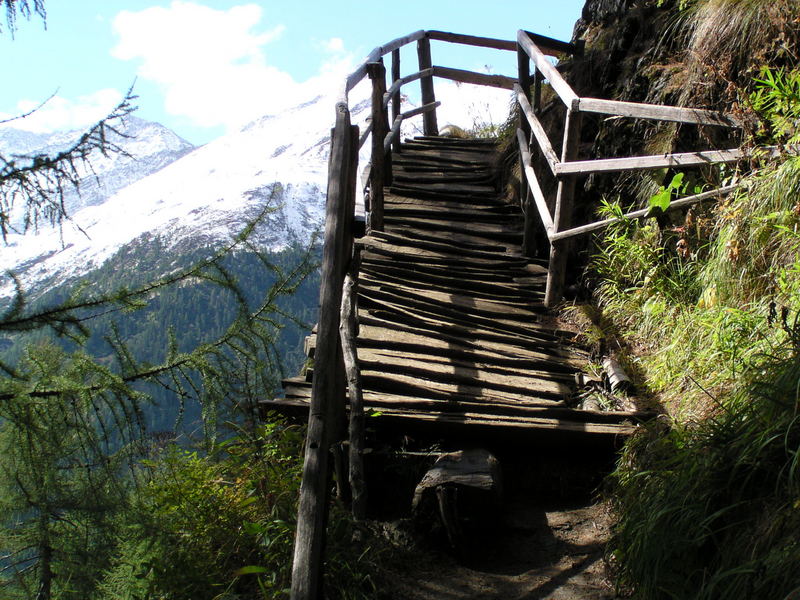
{"x":395,"y":96}
{"x":524,"y":78}
{"x":381,"y":161}
{"x":429,"y":124}
{"x":326,"y":412}
{"x":563,"y":212}
{"x":537,"y":93}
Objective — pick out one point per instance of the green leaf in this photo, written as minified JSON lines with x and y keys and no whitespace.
{"x":676,"y":182}
{"x":254,"y":528}
{"x":661,"y":200}
{"x":251,"y":570}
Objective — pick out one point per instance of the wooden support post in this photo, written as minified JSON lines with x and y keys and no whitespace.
{"x":429,"y":124}
{"x":524,"y":79}
{"x":381,"y":160}
{"x":348,"y":329}
{"x":396,"y":95}
{"x":563,"y":214}
{"x":327,"y":395}
{"x":537,"y":92}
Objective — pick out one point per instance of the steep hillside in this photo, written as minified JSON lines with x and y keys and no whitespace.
{"x":702,"y":304}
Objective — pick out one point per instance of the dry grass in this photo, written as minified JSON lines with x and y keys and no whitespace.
{"x":729,"y":40}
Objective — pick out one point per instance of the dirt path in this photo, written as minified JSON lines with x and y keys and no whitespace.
{"x":533,"y":552}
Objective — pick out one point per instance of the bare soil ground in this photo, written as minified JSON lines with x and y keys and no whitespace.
{"x":531,"y":552}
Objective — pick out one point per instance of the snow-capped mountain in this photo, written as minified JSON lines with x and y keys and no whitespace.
{"x":203,"y":198}
{"x":186,"y":198}
{"x":150,"y":147}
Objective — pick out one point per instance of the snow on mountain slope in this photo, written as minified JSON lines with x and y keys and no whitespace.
{"x":150,"y":147}
{"x":202,"y":199}
{"x":207,"y":195}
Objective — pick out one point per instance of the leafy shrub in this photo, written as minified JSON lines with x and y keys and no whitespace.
{"x":210,"y":528}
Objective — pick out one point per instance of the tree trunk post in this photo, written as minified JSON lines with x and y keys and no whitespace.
{"x":537,"y":93}
{"x":396,"y":101}
{"x":349,"y":333}
{"x":381,"y":161}
{"x":528,"y":210}
{"x":563,"y":214}
{"x":429,"y":124}
{"x":327,"y":396}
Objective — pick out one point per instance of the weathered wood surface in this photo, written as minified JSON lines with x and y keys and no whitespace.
{"x":557,"y":82}
{"x":327,"y":411}
{"x":637,"y":214}
{"x":562,"y":216}
{"x":657,"y":112}
{"x":476,"y":474}
{"x":537,"y":129}
{"x":533,"y":187}
{"x":463,"y":76}
{"x":348,"y":330}
{"x":430,"y":125}
{"x":381,"y":161}
{"x":635,"y":163}
{"x":452,"y":329}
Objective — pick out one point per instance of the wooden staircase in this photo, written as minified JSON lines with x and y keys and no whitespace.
{"x":451,"y":322}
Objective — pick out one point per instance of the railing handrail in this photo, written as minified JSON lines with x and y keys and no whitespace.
{"x":568,"y":167}
{"x":549,"y":46}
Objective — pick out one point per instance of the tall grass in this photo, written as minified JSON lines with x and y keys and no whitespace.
{"x":712,"y":509}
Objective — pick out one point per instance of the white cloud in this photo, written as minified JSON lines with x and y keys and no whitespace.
{"x":334,"y":44}
{"x":210,"y":63}
{"x":469,"y":106}
{"x":60,"y":113}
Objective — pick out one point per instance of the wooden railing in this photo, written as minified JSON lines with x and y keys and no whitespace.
{"x":566,"y":167}
{"x":326,"y":423}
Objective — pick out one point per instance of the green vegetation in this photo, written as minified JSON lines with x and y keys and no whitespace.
{"x":709,"y":307}
{"x":97,"y":497}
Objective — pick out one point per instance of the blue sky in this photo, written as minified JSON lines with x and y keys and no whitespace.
{"x":204,"y":67}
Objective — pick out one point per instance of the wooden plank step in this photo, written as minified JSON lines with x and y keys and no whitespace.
{"x":442,"y":315}
{"x":441,"y":159}
{"x":410,"y":385}
{"x":301,"y":390}
{"x":485,"y":178}
{"x":474,"y":359}
{"x":468,"y":419}
{"x":490,"y":292}
{"x":464,"y":375}
{"x":376,"y":328}
{"x":410,"y":166}
{"x":511,"y":234}
{"x":459,"y":144}
{"x":421,"y":251}
{"x":496,"y":206}
{"x":466,"y":415}
{"x":502,"y":310}
{"x":448,"y":188}
{"x":532,"y":274}
{"x":464,"y":240}
{"x":456,"y":214}
{"x":422,"y":342}
{"x":449,"y":140}
{"x":416,"y":243}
